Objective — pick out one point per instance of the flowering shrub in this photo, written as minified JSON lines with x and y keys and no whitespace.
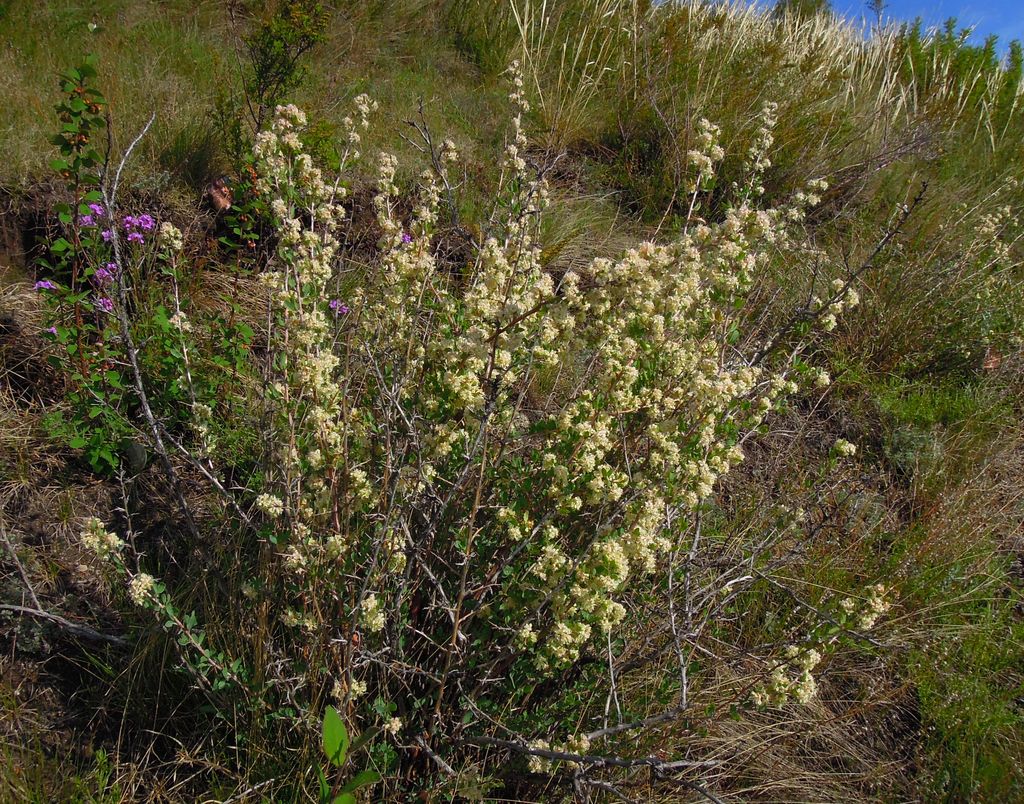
{"x":86,"y":285}
{"x":468,"y":479}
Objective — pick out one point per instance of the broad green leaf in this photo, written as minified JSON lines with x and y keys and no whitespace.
{"x":361,"y":779}
{"x":336,"y":740}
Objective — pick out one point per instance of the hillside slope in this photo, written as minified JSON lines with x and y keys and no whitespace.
{"x":649,"y":428}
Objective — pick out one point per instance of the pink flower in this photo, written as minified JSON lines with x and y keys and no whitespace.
{"x":97,"y":210}
{"x":86,"y":220}
{"x":106,"y":235}
{"x":145,"y":222}
{"x":45,"y":284}
{"x":105,"y":304}
{"x":136,"y":237}
{"x":52,"y":331}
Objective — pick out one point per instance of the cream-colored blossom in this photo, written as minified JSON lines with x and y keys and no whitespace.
{"x":98,"y":539}
{"x":270,"y":504}
{"x":373,"y":614}
{"x":844,"y":448}
{"x":140,"y":590}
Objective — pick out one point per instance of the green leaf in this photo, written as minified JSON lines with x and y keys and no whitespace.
{"x":336,"y":740}
{"x":364,"y":738}
{"x":344,"y":798}
{"x":77,"y":442}
{"x":361,"y":779}
{"x":325,"y":789}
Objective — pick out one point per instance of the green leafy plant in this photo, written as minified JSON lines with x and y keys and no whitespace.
{"x":337,"y":747}
{"x":281,"y":34}
{"x":79,"y":262}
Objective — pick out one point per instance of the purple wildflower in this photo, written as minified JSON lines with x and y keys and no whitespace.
{"x":338,"y":307}
{"x":406,"y":237}
{"x":52,"y":331}
{"x":86,"y":220}
{"x":129,"y":222}
{"x":145,"y":222}
{"x":136,"y":237}
{"x":45,"y":284}
{"x":103,"y":276}
{"x":105,"y":304}
{"x":97,"y":210}
{"x":105,"y":234}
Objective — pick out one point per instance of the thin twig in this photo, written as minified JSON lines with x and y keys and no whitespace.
{"x":433,"y":755}
{"x":21,"y":568}
{"x":75,"y":628}
{"x":109,"y":199}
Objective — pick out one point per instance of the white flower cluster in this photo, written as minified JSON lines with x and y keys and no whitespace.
{"x":270,"y":505}
{"x":364,"y":106}
{"x":577,"y":744}
{"x":758,"y":157}
{"x":791,"y":679}
{"x":844,"y":297}
{"x":875,"y":607}
{"x":180,"y":322}
{"x":305,"y":397}
{"x":706,"y":155}
{"x":844,"y":448}
{"x":202,"y":426}
{"x":140,"y":590}
{"x":99,"y":540}
{"x":514,"y":148}
{"x":171,"y":237}
{"x":373,"y":614}
{"x":357,"y":689}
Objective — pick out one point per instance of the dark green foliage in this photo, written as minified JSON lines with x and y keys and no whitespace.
{"x":801,"y":8}
{"x":288,"y":30}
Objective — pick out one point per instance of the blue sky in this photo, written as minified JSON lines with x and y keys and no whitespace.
{"x":1005,"y":18}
